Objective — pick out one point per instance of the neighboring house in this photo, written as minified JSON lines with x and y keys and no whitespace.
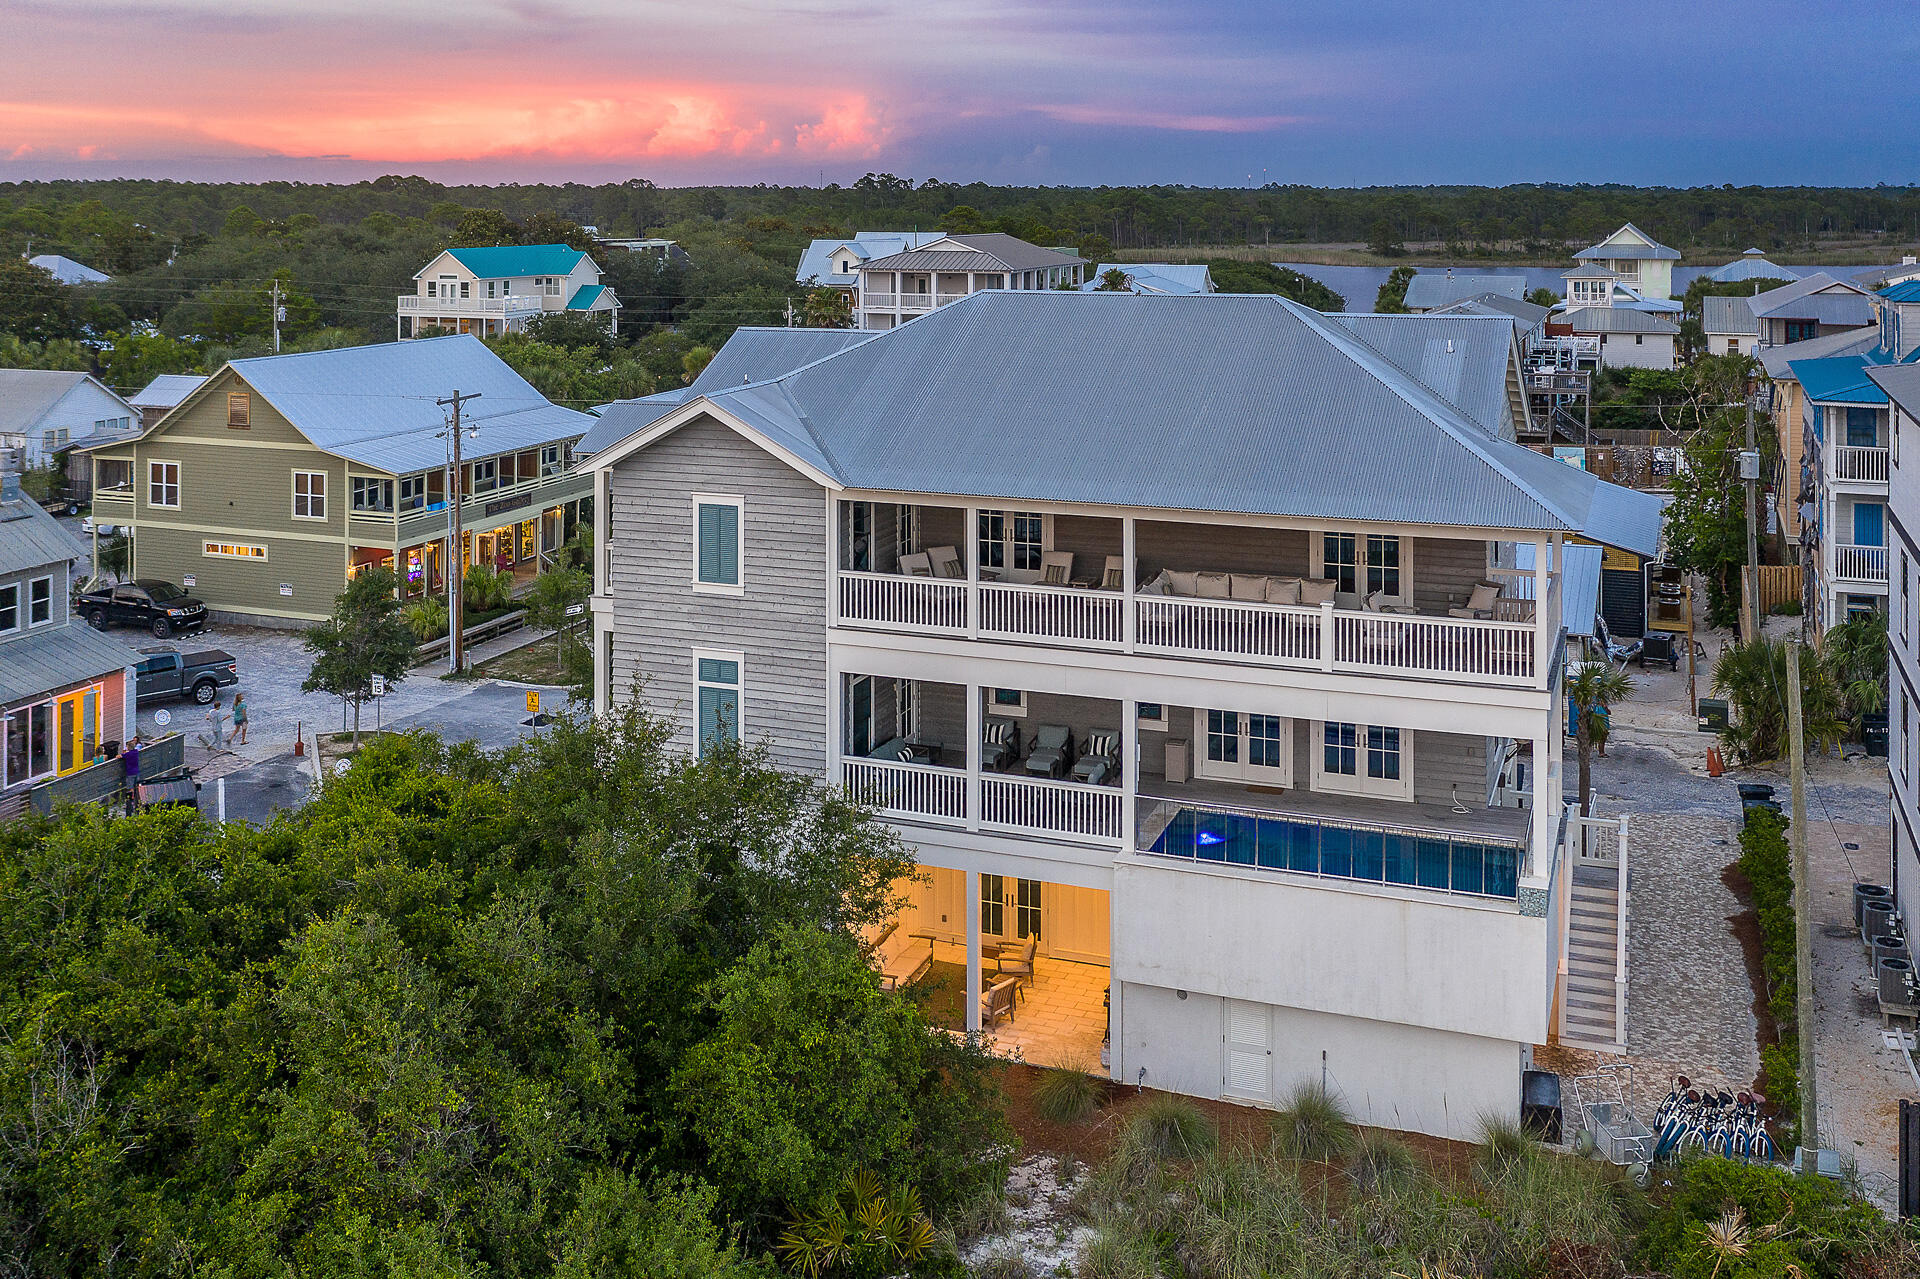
{"x":1625,"y":338}
{"x":1811,"y":307}
{"x":1529,"y":319}
{"x":67,"y":271}
{"x":283,"y":476}
{"x":1729,"y":326}
{"x":1476,"y":363}
{"x":1880,"y":277}
{"x":904,"y":285}
{"x":1794,"y":487}
{"x":490,"y":291}
{"x":1153,"y":277}
{"x":65,"y":692}
{"x":1591,"y":285}
{"x":752,"y":354}
{"x":162,"y":395}
{"x":1636,"y":260}
{"x":661,"y":251}
{"x":836,"y":263}
{"x":1431,"y":290}
{"x":43,"y":411}
{"x":1251,"y":735}
{"x":1751,"y":265}
{"x":1901,"y":384}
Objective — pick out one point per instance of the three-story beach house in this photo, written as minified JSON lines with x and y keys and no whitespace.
{"x":495,"y":290}
{"x":1184,"y":640}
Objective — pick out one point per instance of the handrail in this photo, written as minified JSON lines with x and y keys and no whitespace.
{"x":1382,"y":828}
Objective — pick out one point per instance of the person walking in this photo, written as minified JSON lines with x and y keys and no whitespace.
{"x":217,"y":721}
{"x":239,"y":719}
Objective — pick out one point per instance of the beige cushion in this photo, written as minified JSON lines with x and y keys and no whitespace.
{"x":1317,"y":590}
{"x":1161,"y":584}
{"x":1243,"y":586}
{"x":1372,"y":603}
{"x":1283,"y":590}
{"x":1214,"y":586}
{"x":1484,"y":594}
{"x":1184,"y":583}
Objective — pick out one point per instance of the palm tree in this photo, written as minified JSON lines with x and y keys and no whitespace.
{"x":1592,"y":688}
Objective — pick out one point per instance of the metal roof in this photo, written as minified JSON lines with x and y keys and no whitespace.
{"x":1228,"y":403}
{"x":30,"y":539}
{"x":42,"y":661}
{"x":1155,"y":277}
{"x":1905,"y":291}
{"x":1585,"y":271}
{"x":375,"y":405}
{"x":990,"y":251}
{"x":167,"y":390}
{"x":750,"y":355}
{"x":1790,"y":300}
{"x":1901,"y":383}
{"x":1751,"y":266}
{"x":1608,"y":250}
{"x":1777,"y":360}
{"x":28,"y":395}
{"x":1728,"y":315}
{"x":1876,"y":276}
{"x":1579,"y":584}
{"x":1464,"y":359}
{"x":1617,"y":319}
{"x":816,"y":262}
{"x":1525,"y":316}
{"x":585,"y":296}
{"x":516,"y":259}
{"x":1838,"y":379}
{"x":67,"y":271}
{"x":1430,"y":289}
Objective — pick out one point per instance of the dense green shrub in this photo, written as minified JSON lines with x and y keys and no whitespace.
{"x":1068,"y":1092}
{"x":1767,"y":866}
{"x":1718,"y":1206}
{"x":1312,"y":1125}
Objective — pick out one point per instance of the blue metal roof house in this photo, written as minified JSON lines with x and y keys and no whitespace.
{"x":495,"y":289}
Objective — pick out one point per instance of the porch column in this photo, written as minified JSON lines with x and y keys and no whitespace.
{"x":970,"y":554}
{"x":1129,"y":774}
{"x":973,"y":950}
{"x":836,"y":719}
{"x":1130,"y":607}
{"x":974,"y":729}
{"x":1544,"y":628}
{"x":833,"y":559}
{"x":1546,"y":802}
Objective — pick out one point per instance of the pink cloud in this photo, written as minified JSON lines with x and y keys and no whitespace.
{"x":849,"y":127}
{"x":1138,"y":118}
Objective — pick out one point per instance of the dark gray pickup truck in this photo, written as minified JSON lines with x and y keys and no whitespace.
{"x":167,"y":673}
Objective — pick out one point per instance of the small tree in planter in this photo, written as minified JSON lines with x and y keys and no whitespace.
{"x":1592,"y":688}
{"x":364,"y":637}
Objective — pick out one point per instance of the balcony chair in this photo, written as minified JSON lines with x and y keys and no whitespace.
{"x":996,"y":1001}
{"x":917,"y":565}
{"x":1479,"y":606}
{"x":1052,"y":751}
{"x":1114,"y":576}
{"x":1016,"y":961}
{"x":946,"y":562}
{"x":1056,"y":568}
{"x":894,"y":749}
{"x":1000,"y":743}
{"x":1101,"y":762}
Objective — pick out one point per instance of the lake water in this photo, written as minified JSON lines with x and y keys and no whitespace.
{"x":1358,"y":284}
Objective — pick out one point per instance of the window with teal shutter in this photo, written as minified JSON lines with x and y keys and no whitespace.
{"x":719,"y":702}
{"x":719,"y":549}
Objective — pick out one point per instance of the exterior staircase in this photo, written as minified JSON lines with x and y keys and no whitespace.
{"x":1593,"y":996}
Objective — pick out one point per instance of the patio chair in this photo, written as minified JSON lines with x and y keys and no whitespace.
{"x":1114,"y":576}
{"x":919,"y":564}
{"x":1479,"y":605}
{"x":1056,"y":568}
{"x":1052,"y":750}
{"x":996,"y":1001}
{"x":1101,"y":762}
{"x":1000,"y":742}
{"x":1016,"y":961}
{"x":946,"y":562}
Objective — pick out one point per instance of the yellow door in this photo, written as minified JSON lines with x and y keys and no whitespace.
{"x":77,"y":726}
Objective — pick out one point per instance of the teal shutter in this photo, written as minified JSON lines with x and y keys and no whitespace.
{"x":719,"y":554}
{"x":719,"y":717}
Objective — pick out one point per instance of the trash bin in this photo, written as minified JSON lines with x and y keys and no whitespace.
{"x":1540,"y":1104}
{"x":1873,"y":734}
{"x":1713,"y":715}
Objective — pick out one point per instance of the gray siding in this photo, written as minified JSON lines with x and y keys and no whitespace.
{"x":1216,"y":548}
{"x":1444,"y":571}
{"x":779,"y":624}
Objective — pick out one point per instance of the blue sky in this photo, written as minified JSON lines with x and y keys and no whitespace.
{"x":1213,"y":92}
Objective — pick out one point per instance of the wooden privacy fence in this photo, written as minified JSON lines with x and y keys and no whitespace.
{"x":1777,"y":584}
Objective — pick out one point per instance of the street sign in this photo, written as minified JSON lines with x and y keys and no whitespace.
{"x":163,"y":717}
{"x":188,"y":581}
{"x":533,"y":701}
{"x":574,"y":610}
{"x":379,"y":685}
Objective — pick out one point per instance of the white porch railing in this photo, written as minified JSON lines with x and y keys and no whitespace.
{"x":1280,"y":634}
{"x":1044,"y":807}
{"x":1859,"y":563}
{"x":904,"y":603}
{"x":1082,"y":617}
{"x":506,"y":304}
{"x":920,"y":791}
{"x":1852,"y":462}
{"x":1392,"y":644}
{"x":916,"y":301}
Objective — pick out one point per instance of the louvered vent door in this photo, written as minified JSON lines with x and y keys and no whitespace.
{"x":1249,"y":1065}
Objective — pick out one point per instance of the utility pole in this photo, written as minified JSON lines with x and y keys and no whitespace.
{"x":1752,"y":459}
{"x":1802,"y":920}
{"x":276,"y":313}
{"x":456,"y":540}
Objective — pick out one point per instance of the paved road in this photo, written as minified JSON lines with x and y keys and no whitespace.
{"x":258,"y":791}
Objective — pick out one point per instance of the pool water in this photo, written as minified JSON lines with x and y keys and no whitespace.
{"x":1443,"y":862}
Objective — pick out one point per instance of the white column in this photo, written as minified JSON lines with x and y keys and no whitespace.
{"x":833,"y":559}
{"x":1129,"y":616}
{"x":1544,"y":626}
{"x":974,"y":729}
{"x":973,"y":950}
{"x":970,"y":555}
{"x":1546,"y":804}
{"x":1129,"y":774}
{"x":836,"y":719}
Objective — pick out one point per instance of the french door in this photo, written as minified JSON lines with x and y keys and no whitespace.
{"x":1009,"y":907}
{"x":1241,"y":746}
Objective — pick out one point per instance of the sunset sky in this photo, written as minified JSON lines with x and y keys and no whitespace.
{"x":1210,"y":92}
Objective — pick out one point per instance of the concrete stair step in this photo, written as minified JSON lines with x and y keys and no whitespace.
{"x":1591,"y":974}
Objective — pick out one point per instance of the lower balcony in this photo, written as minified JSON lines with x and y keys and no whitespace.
{"x":1853,"y":563}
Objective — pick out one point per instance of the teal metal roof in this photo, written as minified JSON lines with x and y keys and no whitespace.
{"x":585,"y":296}
{"x":1905,"y":291}
{"x":518,"y":259}
{"x":1839,"y":379}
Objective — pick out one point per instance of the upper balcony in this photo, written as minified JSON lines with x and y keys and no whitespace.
{"x":1856,"y":464}
{"x":1386,"y":603}
{"x":514,"y":304}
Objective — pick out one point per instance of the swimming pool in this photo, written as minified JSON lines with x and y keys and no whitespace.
{"x":1416,"y":859}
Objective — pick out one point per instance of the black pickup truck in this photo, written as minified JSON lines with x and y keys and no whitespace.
{"x":151,"y":604}
{"x":167,"y":673}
